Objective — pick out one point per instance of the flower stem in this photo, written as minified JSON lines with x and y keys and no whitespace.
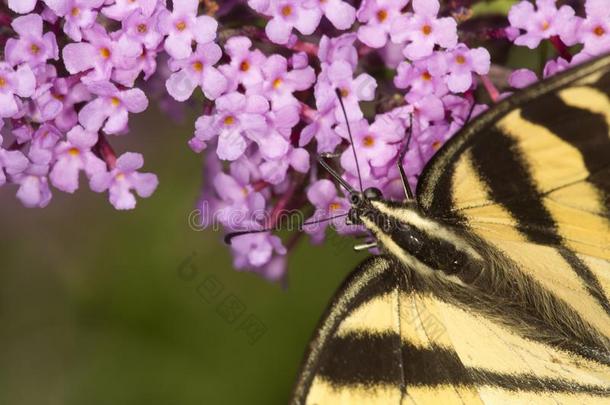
{"x":493,"y":92}
{"x":106,"y":152}
{"x":561,"y":48}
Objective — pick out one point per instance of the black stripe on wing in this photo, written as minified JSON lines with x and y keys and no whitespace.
{"x":374,"y":277}
{"x":361,"y":359}
{"x":504,"y":170}
{"x":585,"y":130}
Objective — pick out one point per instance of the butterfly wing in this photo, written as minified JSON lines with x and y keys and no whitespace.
{"x":385,"y":339}
{"x":377,"y":345}
{"x":531,"y":177}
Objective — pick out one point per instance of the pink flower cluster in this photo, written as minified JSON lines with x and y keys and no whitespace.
{"x":531,"y":24}
{"x":75,"y":71}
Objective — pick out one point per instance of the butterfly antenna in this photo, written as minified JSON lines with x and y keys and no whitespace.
{"x":351,"y":138}
{"x":230,"y":236}
{"x":403,"y":177}
{"x":335,"y":175}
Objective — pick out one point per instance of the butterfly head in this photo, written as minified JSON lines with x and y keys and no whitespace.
{"x":361,"y":203}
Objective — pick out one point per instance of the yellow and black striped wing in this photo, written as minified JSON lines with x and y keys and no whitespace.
{"x":379,"y":340}
{"x":384,"y":340}
{"x":532,"y":178}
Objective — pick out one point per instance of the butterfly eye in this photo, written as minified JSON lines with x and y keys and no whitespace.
{"x":372,"y":193}
{"x":355,"y":198}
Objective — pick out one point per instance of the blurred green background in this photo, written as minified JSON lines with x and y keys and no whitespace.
{"x":95,"y":307}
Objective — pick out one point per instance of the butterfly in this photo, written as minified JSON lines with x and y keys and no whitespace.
{"x":493,"y":282}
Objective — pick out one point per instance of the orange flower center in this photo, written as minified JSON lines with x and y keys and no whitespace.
{"x":277,"y":83}
{"x":382,"y":15}
{"x":426,"y":29}
{"x":460,"y":59}
{"x":34,"y":49}
{"x":436,"y":145}
{"x":244,"y":66}
{"x":73,"y":152}
{"x":181,"y":26}
{"x":332,"y":207}
{"x":344,"y":92}
{"x":229,"y":120}
{"x":286,"y":11}
{"x":120,"y":176}
{"x":545,"y":25}
{"x":198,"y":66}
{"x":244,"y":191}
{"x":105,"y":52}
{"x":75,"y":11}
{"x":368,"y":141}
{"x":426,"y":76}
{"x":59,"y":97}
{"x":115,"y":102}
{"x":142,"y":28}
{"x":599,"y":31}
{"x":2,"y":82}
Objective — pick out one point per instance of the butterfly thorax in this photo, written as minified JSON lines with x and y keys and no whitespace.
{"x":420,"y":242}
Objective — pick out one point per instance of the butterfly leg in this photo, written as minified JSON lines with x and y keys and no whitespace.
{"x":365,"y":246}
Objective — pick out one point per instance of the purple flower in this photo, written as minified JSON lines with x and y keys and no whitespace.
{"x":460,"y":63}
{"x":43,"y":144}
{"x":289,"y":14}
{"x":101,"y":53}
{"x":183,"y":26}
{"x":323,"y":195}
{"x":594,"y":31}
{"x":74,"y":155}
{"x":13,"y":83}
{"x":340,"y":76}
{"x":145,"y":63}
{"x":124,"y":178}
{"x":143,"y":28}
{"x":538,"y":24}
{"x":11,"y":163}
{"x":522,"y":78}
{"x":376,"y":145}
{"x":239,"y":205}
{"x":379,"y":15}
{"x":246,"y":65}
{"x":58,"y":100}
{"x":237,"y":118}
{"x":280,"y":84}
{"x":21,"y":6}
{"x":338,"y":12}
{"x":420,"y":81}
{"x":431,"y":139}
{"x":32,"y":46}
{"x":423,"y":30}
{"x":274,"y":171}
{"x":427,"y":110}
{"x":112,"y":106}
{"x":197,"y":70}
{"x":255,"y":250}
{"x":338,"y":48}
{"x":34,"y":188}
{"x":322,"y":128}
{"x":122,"y":9}
{"x":77,"y":15}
